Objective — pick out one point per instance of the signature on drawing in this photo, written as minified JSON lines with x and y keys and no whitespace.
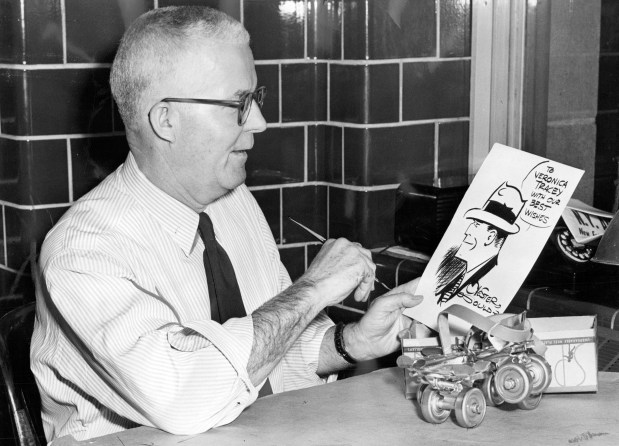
{"x":586,"y":436}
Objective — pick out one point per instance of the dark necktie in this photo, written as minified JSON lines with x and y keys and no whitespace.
{"x":223,"y":288}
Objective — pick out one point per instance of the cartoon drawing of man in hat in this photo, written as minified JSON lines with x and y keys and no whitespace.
{"x":466,"y":264}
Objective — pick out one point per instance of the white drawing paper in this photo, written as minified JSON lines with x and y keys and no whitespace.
{"x":496,"y":234}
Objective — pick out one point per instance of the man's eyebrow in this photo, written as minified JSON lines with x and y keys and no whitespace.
{"x":240,"y":93}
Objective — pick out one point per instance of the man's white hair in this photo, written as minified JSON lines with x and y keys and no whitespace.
{"x":154,"y":42}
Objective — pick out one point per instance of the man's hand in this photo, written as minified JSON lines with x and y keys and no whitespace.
{"x":340,"y":268}
{"x":376,"y":334}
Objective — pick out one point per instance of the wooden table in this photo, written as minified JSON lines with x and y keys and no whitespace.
{"x":371,"y":410}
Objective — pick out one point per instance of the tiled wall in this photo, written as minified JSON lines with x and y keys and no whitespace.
{"x":362,"y":95}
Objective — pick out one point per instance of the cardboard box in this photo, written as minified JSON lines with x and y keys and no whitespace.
{"x":571,"y":353}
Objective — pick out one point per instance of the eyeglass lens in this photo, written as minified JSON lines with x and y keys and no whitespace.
{"x":258,"y":96}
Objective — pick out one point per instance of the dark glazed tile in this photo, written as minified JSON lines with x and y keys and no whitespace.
{"x":268,"y":200}
{"x":324,"y":153}
{"x":389,"y":30}
{"x":276,"y":28}
{"x":268,"y":76}
{"x":365,"y":93}
{"x":606,"y":159}
{"x":34,"y":172}
{"x":93,"y":159}
{"x":608,"y":89}
{"x":7,"y":278}
{"x":41,"y":40}
{"x":366,"y":217}
{"x":304,"y":92}
{"x":46,"y":164}
{"x":10,"y":34}
{"x":55,"y":101}
{"x":324,"y":32}
{"x":455,"y":39}
{"x":434,"y":90}
{"x":294,"y":261}
{"x":312,"y":252}
{"x":308,"y":206}
{"x":609,"y":27}
{"x":95,"y":27}
{"x":389,"y":155}
{"x":230,"y":7}
{"x":277,"y":157}
{"x":10,"y":179}
{"x":26,"y":226}
{"x":69,"y":101}
{"x":14,"y":119}
{"x":453,"y":153}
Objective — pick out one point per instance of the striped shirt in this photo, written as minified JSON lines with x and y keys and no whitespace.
{"x":124,"y":270}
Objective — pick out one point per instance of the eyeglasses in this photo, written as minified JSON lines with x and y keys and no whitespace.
{"x":243,"y":105}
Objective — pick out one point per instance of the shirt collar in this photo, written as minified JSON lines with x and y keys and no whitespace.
{"x":180,"y":221}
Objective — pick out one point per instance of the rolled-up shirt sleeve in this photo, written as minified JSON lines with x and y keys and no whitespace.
{"x":179,"y":377}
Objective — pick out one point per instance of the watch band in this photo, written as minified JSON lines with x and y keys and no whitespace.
{"x":340,"y":346}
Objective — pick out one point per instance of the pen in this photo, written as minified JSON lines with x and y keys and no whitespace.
{"x":321,"y":239}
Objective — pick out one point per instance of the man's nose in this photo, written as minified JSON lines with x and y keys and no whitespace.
{"x":255,"y":121}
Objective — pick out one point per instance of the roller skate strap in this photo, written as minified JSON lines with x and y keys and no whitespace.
{"x":501,"y":329}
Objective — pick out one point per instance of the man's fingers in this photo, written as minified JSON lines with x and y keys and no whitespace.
{"x":391,"y":302}
{"x":364,"y":288}
{"x":412,"y":300}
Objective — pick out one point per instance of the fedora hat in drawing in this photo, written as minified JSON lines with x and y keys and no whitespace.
{"x":501,"y":210}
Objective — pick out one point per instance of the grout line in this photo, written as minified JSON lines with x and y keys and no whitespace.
{"x":328,"y":92}
{"x":279,"y":93}
{"x":328,"y":212}
{"x":342,"y":155}
{"x":438,"y":28}
{"x":436,"y":154}
{"x":22,"y":30}
{"x":305,"y":52}
{"x":33,"y":207}
{"x":269,"y":125}
{"x":342,"y":32}
{"x":90,"y":65}
{"x":55,"y":66}
{"x":63,"y":26}
{"x":5,"y":253}
{"x":362,"y":61}
{"x":64,"y":136}
{"x":325,"y":183}
{"x":401,"y":90}
{"x":368,"y":125}
{"x":306,"y":153}
{"x":281,"y":215}
{"x":6,"y":268}
{"x":70,"y":170}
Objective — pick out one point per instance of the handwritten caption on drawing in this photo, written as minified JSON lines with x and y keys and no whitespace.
{"x":543,"y":188}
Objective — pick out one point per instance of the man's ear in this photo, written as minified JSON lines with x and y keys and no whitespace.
{"x":163,"y":121}
{"x":492,"y":233}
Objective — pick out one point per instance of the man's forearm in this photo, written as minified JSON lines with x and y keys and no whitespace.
{"x":277,"y":325}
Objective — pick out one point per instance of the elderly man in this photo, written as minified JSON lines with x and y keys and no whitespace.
{"x":162,"y":300}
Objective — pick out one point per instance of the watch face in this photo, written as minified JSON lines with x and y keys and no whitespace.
{"x":573,"y":251}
